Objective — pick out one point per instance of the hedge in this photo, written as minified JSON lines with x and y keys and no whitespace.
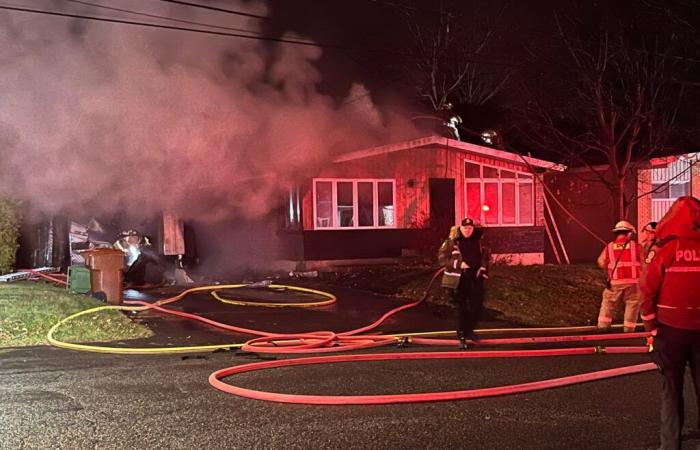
{"x":9,"y":234}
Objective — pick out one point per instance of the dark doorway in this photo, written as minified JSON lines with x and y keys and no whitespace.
{"x":442,"y":203}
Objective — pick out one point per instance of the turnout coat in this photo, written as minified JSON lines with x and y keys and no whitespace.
{"x":451,"y":258}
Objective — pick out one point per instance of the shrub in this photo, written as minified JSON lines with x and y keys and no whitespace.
{"x":9,"y":234}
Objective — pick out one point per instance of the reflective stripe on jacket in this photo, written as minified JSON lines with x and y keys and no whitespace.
{"x":451,"y":258}
{"x":669,"y":284}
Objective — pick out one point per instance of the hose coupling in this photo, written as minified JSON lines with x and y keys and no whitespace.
{"x":402,"y":341}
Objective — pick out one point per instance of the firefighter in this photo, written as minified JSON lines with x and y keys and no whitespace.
{"x":130,"y":242}
{"x":671,"y":310}
{"x":621,"y":261}
{"x":466,"y":267}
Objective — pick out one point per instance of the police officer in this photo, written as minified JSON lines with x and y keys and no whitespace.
{"x":621,"y":261}
{"x":671,"y":310}
{"x":466,"y":267}
{"x":648,"y":240}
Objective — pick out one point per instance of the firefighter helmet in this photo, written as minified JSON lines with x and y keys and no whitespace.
{"x":623,"y":225}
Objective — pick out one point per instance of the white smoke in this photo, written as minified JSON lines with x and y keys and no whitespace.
{"x":108,"y":117}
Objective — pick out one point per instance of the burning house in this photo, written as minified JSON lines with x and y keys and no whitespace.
{"x":396,"y":200}
{"x":384,"y":203}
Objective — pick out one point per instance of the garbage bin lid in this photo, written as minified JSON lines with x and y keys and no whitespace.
{"x":102,"y":251}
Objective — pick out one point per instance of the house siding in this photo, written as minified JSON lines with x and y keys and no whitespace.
{"x":587,"y":198}
{"x":358,"y":244}
{"x":644,"y":186}
{"x":412,"y":169}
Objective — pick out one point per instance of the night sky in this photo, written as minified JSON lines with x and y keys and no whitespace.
{"x":182,"y":111}
{"x":525,"y":45}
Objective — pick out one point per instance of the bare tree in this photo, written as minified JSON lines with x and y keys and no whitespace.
{"x":616,"y":104}
{"x":448,"y":58}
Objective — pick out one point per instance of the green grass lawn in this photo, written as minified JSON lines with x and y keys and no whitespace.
{"x":547,"y":295}
{"x":539,"y":295}
{"x":29,"y":309}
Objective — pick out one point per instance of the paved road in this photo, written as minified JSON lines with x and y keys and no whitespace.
{"x":58,"y":399}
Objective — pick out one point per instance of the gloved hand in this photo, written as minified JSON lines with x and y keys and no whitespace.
{"x":464,"y":265}
{"x":482,"y":273}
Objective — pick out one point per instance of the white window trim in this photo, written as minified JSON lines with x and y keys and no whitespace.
{"x":355,"y":208}
{"x":500,"y":181}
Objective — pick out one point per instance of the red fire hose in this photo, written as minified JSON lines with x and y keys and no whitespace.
{"x":311,"y":342}
{"x":328,"y":341}
{"x":534,"y":340}
{"x":215,"y":378}
{"x":51,"y":277}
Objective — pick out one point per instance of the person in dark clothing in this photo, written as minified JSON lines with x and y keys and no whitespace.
{"x":671,"y":311}
{"x":466,"y":267}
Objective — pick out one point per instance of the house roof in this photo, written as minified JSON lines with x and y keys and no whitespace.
{"x":464,"y":147}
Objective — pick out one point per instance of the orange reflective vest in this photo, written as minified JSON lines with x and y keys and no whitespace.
{"x":623,"y":262}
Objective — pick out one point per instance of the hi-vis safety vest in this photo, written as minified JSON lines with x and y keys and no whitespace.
{"x":626,"y":256}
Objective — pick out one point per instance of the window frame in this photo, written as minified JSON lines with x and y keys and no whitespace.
{"x":355,"y":203}
{"x":500,"y":181}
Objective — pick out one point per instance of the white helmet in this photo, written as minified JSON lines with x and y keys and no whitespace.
{"x":624,"y":225}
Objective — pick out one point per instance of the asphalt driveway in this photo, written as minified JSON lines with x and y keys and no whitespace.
{"x":53,"y":398}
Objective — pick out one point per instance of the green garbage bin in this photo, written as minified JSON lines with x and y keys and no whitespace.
{"x":78,"y":279}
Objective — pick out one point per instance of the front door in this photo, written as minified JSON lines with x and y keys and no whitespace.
{"x":442,"y":203}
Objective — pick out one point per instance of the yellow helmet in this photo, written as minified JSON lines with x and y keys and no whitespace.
{"x":624,"y":225}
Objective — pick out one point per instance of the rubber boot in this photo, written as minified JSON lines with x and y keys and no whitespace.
{"x":473,"y":337}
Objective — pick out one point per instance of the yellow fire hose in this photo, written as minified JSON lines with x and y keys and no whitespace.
{"x":330,"y":298}
{"x":124,"y":350}
{"x":329,"y":301}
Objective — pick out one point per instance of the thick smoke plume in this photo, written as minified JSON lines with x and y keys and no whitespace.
{"x":103,"y":117}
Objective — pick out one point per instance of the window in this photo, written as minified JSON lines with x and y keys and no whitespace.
{"x":508,"y":216}
{"x":353,"y":204}
{"x":365,"y":203}
{"x":346,"y":204}
{"x":669,"y":183}
{"x":499,"y":197}
{"x":670,"y":190}
{"x":386,"y":203}
{"x":323,"y":204}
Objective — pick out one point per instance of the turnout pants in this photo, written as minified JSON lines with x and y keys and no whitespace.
{"x":674,"y":348}
{"x":612,"y":297}
{"x":469,"y":297}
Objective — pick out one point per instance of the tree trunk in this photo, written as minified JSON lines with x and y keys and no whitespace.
{"x":618,"y":196}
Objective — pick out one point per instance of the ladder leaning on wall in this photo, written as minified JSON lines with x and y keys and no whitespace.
{"x":549,"y":225}
{"x":25,"y":275}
